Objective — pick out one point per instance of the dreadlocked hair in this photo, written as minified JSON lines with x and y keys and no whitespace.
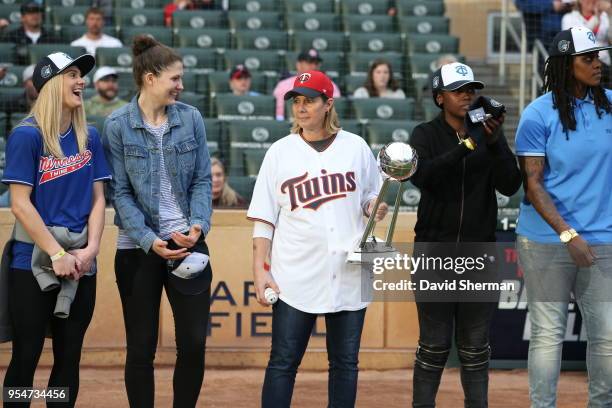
{"x":560,"y":81}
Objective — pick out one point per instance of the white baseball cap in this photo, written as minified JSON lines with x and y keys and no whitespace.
{"x":574,"y":41}
{"x":104,"y":72}
{"x":453,"y":76}
{"x":191,"y":266}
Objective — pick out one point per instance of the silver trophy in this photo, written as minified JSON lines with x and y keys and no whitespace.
{"x":397,"y":162}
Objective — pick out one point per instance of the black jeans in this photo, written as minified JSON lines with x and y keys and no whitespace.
{"x":471,"y":323}
{"x":140,"y":278}
{"x":31,"y":312}
{"x":291,"y":329}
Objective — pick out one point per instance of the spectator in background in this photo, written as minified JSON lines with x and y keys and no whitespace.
{"x":30,"y":32}
{"x":94,"y":37}
{"x":380,"y":82}
{"x":26,"y":101}
{"x":306,"y":61}
{"x":106,"y":101}
{"x":593,"y":15}
{"x":223,"y":196}
{"x":177,"y":5}
{"x":542,"y":18}
{"x":240,"y":81}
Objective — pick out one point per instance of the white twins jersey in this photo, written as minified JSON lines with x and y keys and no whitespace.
{"x":315,"y":202}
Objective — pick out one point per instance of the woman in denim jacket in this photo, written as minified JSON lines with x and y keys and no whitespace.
{"x":161,"y":192}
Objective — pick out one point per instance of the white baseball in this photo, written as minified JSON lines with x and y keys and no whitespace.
{"x":271,"y":296}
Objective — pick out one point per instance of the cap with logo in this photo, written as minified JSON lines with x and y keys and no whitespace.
{"x":30,"y":7}
{"x":103,"y":72}
{"x":192,"y":274}
{"x":56,"y":63}
{"x":311,"y":84}
{"x":574,"y":41}
{"x":450,"y":77}
{"x":240,"y":71}
{"x":311,"y":55}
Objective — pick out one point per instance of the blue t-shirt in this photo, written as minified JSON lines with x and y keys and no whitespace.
{"x":62,"y":189}
{"x":577,"y":172}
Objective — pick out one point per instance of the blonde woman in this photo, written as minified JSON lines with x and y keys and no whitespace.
{"x":55,"y":170}
{"x":223,"y":196}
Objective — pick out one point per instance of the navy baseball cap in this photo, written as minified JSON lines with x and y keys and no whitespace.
{"x":574,"y":41}
{"x":56,"y":63}
{"x":311,"y":55}
{"x":30,"y":7}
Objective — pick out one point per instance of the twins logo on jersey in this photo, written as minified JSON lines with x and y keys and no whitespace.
{"x":313,"y":192}
{"x":53,"y":168}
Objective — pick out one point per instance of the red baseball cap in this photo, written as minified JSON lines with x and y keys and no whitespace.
{"x":311,"y":84}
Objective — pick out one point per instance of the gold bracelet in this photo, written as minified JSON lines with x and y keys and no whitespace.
{"x":58,"y":255}
{"x":469,"y":143}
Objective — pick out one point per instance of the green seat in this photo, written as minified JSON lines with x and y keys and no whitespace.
{"x":127,"y":85}
{"x":194,"y":99}
{"x":11,"y":12}
{"x":369,"y":24}
{"x":254,"y":60}
{"x":70,"y":33}
{"x":252,"y":161}
{"x":7,"y":50}
{"x":420,"y":8}
{"x":359,"y":62}
{"x":3,"y":126}
{"x":319,"y":40}
{"x":380,"y":132}
{"x":15,"y":118}
{"x":333,"y":62}
{"x":433,"y":43}
{"x":352,"y":125}
{"x":140,"y":4}
{"x":114,"y":57}
{"x":199,"y":58}
{"x":253,"y":6}
{"x":425,"y":64}
{"x":202,"y":83}
{"x":67,"y":3}
{"x":37,"y":51}
{"x":424,"y":24}
{"x":214,"y":129}
{"x":409,"y":199}
{"x":309,"y":6}
{"x":352,"y":82}
{"x":313,"y":22}
{"x":260,"y":39}
{"x":129,"y":17}
{"x":69,"y":16}
{"x":13,"y":76}
{"x":202,"y":19}
{"x":160,"y":33}
{"x":97,"y":122}
{"x":190,"y":81}
{"x":375,"y":42}
{"x":194,"y":37}
{"x":245,"y":20}
{"x":229,"y":106}
{"x":248,"y":136}
{"x":383,"y":108}
{"x":218,"y":82}
{"x":430,"y":110}
{"x":364,"y":7}
{"x":243,"y":186}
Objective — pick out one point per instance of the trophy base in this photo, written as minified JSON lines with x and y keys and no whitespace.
{"x":374,"y":248}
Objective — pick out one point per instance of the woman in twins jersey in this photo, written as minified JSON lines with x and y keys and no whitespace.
{"x":313,"y":190}
{"x":55,"y":168}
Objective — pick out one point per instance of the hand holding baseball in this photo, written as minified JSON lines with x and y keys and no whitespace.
{"x":263,"y":281}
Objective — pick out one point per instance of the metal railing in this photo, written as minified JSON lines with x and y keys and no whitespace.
{"x":520,"y":40}
{"x":536,"y":79}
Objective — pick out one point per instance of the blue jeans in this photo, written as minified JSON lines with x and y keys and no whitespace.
{"x":550,"y":277}
{"x":291,"y":329}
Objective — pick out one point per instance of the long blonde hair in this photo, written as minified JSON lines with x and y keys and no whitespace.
{"x":47,"y":111}
{"x":331,"y":123}
{"x":229,"y":197}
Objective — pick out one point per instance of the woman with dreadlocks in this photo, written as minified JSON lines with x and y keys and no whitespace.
{"x":564,"y":232}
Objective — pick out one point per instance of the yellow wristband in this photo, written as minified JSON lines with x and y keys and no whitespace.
{"x":58,"y":255}
{"x":469,"y":143}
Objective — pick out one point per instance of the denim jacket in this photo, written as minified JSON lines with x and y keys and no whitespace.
{"x":133,"y":156}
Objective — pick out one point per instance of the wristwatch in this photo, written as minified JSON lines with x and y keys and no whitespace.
{"x":567,"y":236}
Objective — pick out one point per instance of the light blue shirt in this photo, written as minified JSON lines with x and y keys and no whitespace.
{"x":577,"y":172}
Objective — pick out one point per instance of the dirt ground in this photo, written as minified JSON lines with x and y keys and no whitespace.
{"x":388,"y":389}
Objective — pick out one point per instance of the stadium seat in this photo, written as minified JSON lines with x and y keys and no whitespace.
{"x":369,"y":24}
{"x":383,"y":108}
{"x":114,"y":57}
{"x":195,"y":37}
{"x":228,"y":106}
{"x":252,"y":162}
{"x":129,"y":17}
{"x":313,"y":22}
{"x":243,"y":186}
{"x":380,"y":132}
{"x":353,"y":126}
{"x":352,"y":82}
{"x":13,"y":76}
{"x":7,"y":50}
{"x":37,"y":51}
{"x":214,"y":129}
{"x":15,"y":118}
{"x":433,"y":43}
{"x":202,"y":83}
{"x":254,"y":60}
{"x":245,"y":20}
{"x":199,"y":19}
{"x":140,"y":4}
{"x":3,"y":126}
{"x":319,"y":40}
{"x":11,"y":12}
{"x":260,"y":39}
{"x":309,"y":6}
{"x":52,"y":4}
{"x":409,"y":199}
{"x":247,"y":136}
{"x":70,"y":33}
{"x":97,"y":122}
{"x":194,"y":99}
{"x":218,"y":82}
{"x":376,"y":42}
{"x":425,"y":63}
{"x":253,"y":6}
{"x":420,"y":8}
{"x":8,"y":97}
{"x":359,"y":62}
{"x":160,"y":33}
{"x":333,"y":62}
{"x":364,"y":7}
{"x":69,"y":16}
{"x":199,"y":58}
{"x":430,"y":110}
{"x":424,"y":25}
